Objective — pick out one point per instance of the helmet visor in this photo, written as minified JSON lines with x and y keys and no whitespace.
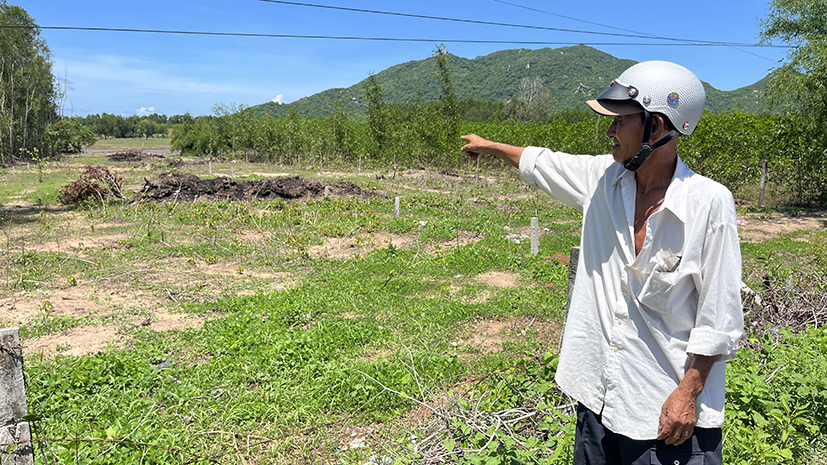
{"x":618,"y":100}
{"x":615,"y":107}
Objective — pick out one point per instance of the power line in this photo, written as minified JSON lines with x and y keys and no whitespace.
{"x":381,"y":39}
{"x":492,"y":23}
{"x":517,"y":5}
{"x":570,"y":17}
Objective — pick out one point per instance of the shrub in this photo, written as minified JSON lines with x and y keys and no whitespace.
{"x":95,"y":182}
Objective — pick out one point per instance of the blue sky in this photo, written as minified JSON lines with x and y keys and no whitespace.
{"x":135,"y":73}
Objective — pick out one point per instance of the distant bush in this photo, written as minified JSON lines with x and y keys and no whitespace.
{"x":96,"y":183}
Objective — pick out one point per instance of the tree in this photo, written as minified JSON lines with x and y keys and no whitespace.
{"x":799,"y":86}
{"x":449,"y":105}
{"x":27,"y":90}
{"x":377,"y":114}
{"x":69,"y":135}
{"x":146,"y":127}
{"x":533,"y":103}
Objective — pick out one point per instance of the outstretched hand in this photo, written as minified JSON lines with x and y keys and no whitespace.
{"x":473,"y":146}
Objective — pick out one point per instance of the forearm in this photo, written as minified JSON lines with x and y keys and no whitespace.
{"x":509,"y":153}
{"x":695,"y":378}
{"x":476,"y":145}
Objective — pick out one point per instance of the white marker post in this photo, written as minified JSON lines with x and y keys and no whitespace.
{"x":396,"y":208}
{"x":535,"y":236}
{"x":326,"y":191}
{"x":210,"y":168}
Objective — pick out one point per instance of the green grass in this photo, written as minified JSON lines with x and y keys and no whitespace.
{"x":277,"y":376}
{"x":134,"y":142}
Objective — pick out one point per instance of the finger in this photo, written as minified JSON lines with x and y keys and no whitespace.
{"x":663,"y":431}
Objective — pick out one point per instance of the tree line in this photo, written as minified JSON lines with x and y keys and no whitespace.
{"x":31,"y":98}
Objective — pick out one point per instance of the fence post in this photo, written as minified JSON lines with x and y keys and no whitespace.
{"x":574,"y":258}
{"x":763,"y":183}
{"x":15,"y":435}
{"x":535,"y":236}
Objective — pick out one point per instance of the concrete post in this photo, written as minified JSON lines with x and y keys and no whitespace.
{"x":15,"y":435}
{"x":535,"y":236}
{"x":763,"y":183}
{"x":326,"y":191}
{"x":396,"y":208}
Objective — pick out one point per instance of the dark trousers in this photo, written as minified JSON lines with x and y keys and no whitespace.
{"x":596,"y":445}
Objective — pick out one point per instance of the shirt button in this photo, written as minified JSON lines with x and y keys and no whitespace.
{"x":620,"y":322}
{"x":615,"y":349}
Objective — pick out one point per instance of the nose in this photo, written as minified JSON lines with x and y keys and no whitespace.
{"x":610,"y":133}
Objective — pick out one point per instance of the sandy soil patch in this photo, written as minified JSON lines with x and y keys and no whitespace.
{"x":17,"y":311}
{"x":488,"y":336}
{"x":760,"y":229}
{"x":162,"y":320}
{"x":360,"y":245}
{"x":499,"y":279}
{"x":363,"y":244}
{"x":76,"y":341}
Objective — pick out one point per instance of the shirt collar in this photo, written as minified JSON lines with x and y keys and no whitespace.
{"x":675,"y":191}
{"x":675,"y":194}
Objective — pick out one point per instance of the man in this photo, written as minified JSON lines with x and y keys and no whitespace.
{"x":655,"y":310}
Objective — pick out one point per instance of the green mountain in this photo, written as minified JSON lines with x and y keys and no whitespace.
{"x":572,"y":75}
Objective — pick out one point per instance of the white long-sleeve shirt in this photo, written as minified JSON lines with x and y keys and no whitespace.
{"x":635,"y":321}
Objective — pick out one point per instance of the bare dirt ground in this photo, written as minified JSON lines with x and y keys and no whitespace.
{"x":760,"y":227}
{"x":129,"y":306}
{"x":122,"y":303}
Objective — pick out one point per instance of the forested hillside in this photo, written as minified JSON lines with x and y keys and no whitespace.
{"x":571,"y":74}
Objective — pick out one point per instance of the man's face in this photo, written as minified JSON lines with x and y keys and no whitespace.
{"x":626,"y":133}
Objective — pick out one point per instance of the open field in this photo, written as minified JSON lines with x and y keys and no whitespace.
{"x":324,"y":330}
{"x":152,"y":142}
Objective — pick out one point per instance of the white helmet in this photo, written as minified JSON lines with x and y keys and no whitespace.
{"x":658,"y":87}
{"x":654,"y":87}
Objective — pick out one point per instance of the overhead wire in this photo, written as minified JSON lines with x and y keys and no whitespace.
{"x":537,"y":10}
{"x":494,"y":23}
{"x":386,"y":39}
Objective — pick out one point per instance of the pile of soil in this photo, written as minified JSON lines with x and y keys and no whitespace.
{"x":174,"y":187}
{"x":132,"y":156}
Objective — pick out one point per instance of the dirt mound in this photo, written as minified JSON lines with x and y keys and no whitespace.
{"x":132,"y":156}
{"x":188,"y":187}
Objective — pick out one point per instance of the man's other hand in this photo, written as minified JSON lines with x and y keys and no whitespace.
{"x":677,"y":418}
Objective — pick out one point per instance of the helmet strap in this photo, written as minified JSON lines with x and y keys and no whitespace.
{"x":645,"y":146}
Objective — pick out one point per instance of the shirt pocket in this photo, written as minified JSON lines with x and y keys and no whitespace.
{"x":657,"y":290}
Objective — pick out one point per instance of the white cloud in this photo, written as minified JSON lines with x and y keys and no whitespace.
{"x":279,"y":99}
{"x":144,"y":111}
